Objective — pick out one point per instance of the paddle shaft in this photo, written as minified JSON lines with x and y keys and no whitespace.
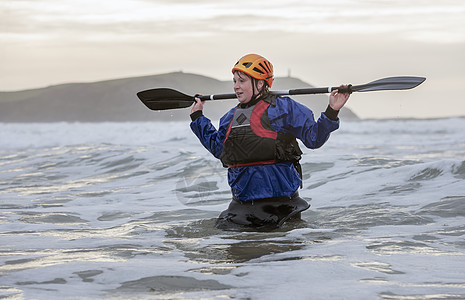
{"x":305,"y":91}
{"x":165,"y":98}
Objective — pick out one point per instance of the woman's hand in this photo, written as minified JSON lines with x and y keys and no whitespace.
{"x":198,"y":105}
{"x":338,"y":100}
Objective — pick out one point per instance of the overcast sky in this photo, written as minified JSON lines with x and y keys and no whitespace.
{"x":323,"y":42}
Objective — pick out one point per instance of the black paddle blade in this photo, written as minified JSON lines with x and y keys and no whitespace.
{"x":390,"y":83}
{"x":163,"y":98}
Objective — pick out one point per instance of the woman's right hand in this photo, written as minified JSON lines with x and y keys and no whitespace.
{"x":198,"y":105}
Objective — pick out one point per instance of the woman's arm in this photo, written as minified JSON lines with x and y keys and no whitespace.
{"x":202,"y":127}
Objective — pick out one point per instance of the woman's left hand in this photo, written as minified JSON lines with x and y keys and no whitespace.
{"x":338,"y":100}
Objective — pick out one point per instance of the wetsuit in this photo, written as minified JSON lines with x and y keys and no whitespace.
{"x":271,"y":181}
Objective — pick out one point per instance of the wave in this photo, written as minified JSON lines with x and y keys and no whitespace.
{"x":112,"y":209}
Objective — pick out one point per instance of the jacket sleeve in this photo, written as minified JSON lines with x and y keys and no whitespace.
{"x":211,"y":138}
{"x":289,"y":116}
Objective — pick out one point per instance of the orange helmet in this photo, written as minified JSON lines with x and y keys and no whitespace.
{"x":256,"y":66}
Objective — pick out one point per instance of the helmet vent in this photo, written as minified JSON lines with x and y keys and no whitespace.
{"x":266,"y":67}
{"x":258,"y":70}
{"x":247,"y":64}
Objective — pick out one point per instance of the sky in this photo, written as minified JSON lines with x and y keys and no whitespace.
{"x":322,"y":42}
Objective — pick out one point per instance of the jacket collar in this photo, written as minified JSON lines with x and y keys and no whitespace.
{"x":269,"y":99}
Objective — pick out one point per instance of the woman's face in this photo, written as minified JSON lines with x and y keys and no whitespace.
{"x":243,"y":87}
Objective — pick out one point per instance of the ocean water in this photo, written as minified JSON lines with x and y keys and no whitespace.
{"x":127,"y":211}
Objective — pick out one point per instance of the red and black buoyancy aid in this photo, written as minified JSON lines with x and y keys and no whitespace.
{"x":250,"y":139}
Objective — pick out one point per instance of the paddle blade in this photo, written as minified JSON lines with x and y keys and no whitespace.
{"x":390,"y":83}
{"x":163,"y":98}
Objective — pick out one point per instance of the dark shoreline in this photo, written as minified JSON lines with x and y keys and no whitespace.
{"x":116,"y":100}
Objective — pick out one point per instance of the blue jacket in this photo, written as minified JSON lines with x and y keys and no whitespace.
{"x":273,"y":180}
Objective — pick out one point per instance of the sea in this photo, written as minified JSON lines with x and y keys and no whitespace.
{"x":127,"y":211}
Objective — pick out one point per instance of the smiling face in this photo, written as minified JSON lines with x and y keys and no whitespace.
{"x":244,"y":88}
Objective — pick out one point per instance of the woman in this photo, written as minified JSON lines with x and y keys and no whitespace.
{"x":256,"y":141}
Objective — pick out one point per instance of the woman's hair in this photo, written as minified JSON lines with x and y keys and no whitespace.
{"x":264,"y":91}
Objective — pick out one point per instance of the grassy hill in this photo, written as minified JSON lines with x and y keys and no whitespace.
{"x":116,"y":100}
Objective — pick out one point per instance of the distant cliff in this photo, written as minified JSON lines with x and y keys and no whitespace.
{"x":116,"y":100}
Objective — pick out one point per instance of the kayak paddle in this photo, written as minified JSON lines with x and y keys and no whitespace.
{"x":165,"y":98}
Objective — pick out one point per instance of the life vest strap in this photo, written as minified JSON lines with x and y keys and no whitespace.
{"x":267,"y":162}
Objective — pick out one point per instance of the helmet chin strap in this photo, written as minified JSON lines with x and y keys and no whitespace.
{"x":254,"y":85}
